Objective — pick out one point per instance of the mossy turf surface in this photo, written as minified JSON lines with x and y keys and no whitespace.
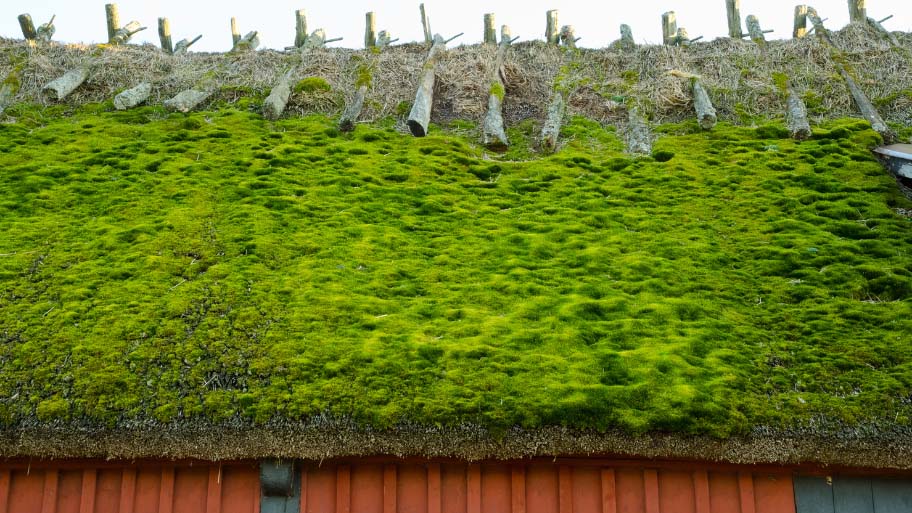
{"x":216,"y":266}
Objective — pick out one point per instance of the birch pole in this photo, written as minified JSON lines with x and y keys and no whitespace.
{"x":552,"y":29}
{"x":370,"y":30}
{"x":300,"y":28}
{"x":733,"y":9}
{"x":420,"y":116}
{"x":164,"y":34}
{"x":494,"y":135}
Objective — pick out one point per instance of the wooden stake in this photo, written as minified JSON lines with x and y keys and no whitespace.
{"x":164,"y":34}
{"x":494,"y":135}
{"x":858,"y":13}
{"x":275,"y":103}
{"x":300,"y":28}
{"x":753,"y":28}
{"x":706,"y":113}
{"x":28,"y":28}
{"x":733,"y":7}
{"x":370,"y":30}
{"x":235,"y":33}
{"x":800,"y":29}
{"x":420,"y":116}
{"x":426,"y":26}
{"x":627,"y":37}
{"x":112,"y":17}
{"x":490,"y":32}
{"x":669,"y":28}
{"x":552,"y":30}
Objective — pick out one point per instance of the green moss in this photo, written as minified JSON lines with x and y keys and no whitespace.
{"x":155,"y":268}
{"x":497,"y":89}
{"x":365,"y":76}
{"x":781,"y":81}
{"x":312,"y":85}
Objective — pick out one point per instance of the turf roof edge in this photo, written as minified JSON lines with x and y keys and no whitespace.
{"x":860,"y":447}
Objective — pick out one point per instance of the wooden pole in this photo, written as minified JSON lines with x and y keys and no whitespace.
{"x":638,"y":138}
{"x":275,"y":103}
{"x":858,"y":13}
{"x":669,"y":27}
{"x":800,"y":29}
{"x":235,"y":33}
{"x":370,"y":30}
{"x":426,"y":26}
{"x":733,"y":7}
{"x":551,"y":130}
{"x":133,"y":97}
{"x":494,"y":135}
{"x":112,"y":17}
{"x":490,"y":32}
{"x":796,"y":116}
{"x":753,"y":28}
{"x":300,"y":28}
{"x":164,"y":34}
{"x":28,"y":27}
{"x":552,"y":29}
{"x":63,"y":86}
{"x":420,"y":116}
{"x":706,"y":113}
{"x":627,"y":37}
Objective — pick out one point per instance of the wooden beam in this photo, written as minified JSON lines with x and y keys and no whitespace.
{"x":800,"y":28}
{"x":28,"y":27}
{"x":669,"y":28}
{"x":112,"y":17}
{"x":164,"y":34}
{"x":733,"y":8}
{"x":552,"y":29}
{"x":300,"y":28}
{"x":370,"y":30}
{"x":490,"y":32}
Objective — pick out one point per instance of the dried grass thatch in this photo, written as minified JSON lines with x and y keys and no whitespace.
{"x":738,"y":73}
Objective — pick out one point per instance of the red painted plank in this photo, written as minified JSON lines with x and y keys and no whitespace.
{"x":676,"y":491}
{"x":241,"y":488}
{"x":701,"y":491}
{"x":127,"y":490}
{"x":49,"y":499}
{"x":304,"y":488}
{"x":412,"y":489}
{"x":166,"y":494}
{"x":4,"y":490}
{"x":565,"y":489}
{"x":389,"y":489}
{"x":629,"y":486}
{"x":69,"y":491}
{"x":651,"y":490}
{"x":473,"y":489}
{"x":774,"y":493}
{"x":541,"y":489}
{"x":343,"y":489}
{"x":214,"y":490}
{"x":587,"y":489}
{"x":495,"y":489}
{"x":367,"y":483}
{"x":453,"y":491}
{"x":518,"y":489}
{"x":609,"y":493}
{"x":148,"y":490}
{"x":321,"y":493}
{"x":433,"y":488}
{"x":87,"y":500}
{"x":746,"y":492}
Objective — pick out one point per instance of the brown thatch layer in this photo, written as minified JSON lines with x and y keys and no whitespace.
{"x":739,"y":74}
{"x":321,"y":438}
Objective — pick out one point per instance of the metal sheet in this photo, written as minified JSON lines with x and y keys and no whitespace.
{"x":853,"y":494}
{"x":902,"y":151}
{"x":813,"y":495}
{"x":892,"y":495}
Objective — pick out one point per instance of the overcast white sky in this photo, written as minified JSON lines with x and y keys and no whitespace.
{"x":595,"y":21}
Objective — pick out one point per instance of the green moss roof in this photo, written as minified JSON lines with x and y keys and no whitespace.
{"x":218,"y":268}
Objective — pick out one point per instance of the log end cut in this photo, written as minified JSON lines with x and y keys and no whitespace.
{"x":416,"y":128}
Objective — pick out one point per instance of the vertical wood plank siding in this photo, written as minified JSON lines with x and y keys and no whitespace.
{"x":378,"y":485}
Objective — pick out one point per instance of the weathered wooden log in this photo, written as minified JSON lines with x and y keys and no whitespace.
{"x":756,"y":33}
{"x":706,"y":113}
{"x":249,"y":42}
{"x":796,"y":116}
{"x":164,"y":35}
{"x":494,"y":135}
{"x":490,"y":32}
{"x":300,"y":28}
{"x":112,"y":18}
{"x":133,"y":97}
{"x":185,"y":101}
{"x":878,"y":26}
{"x":123,"y":34}
{"x":426,"y":26}
{"x":681,"y":38}
{"x":551,"y":130}
{"x":639,"y":141}
{"x":420,"y":115}
{"x":627,"y":41}
{"x":552,"y":29}
{"x":8,"y":89}
{"x":568,"y":36}
{"x":384,"y":39}
{"x":28,"y":27}
{"x":317,"y":39}
{"x":235,"y":33}
{"x":867,"y":108}
{"x":733,"y":9}
{"x":184,"y":44}
{"x":353,"y":110}
{"x":370,"y":30}
{"x":46,"y":30}
{"x":800,"y":27}
{"x":669,"y":28}
{"x":274,"y":104}
{"x":858,"y":13}
{"x":63,"y":86}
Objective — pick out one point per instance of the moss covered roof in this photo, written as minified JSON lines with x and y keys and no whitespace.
{"x":215,"y":269}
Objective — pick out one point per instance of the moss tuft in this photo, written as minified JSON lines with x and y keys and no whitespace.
{"x":312,"y":85}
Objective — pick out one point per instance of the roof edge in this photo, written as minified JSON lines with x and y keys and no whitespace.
{"x":328,"y":439}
